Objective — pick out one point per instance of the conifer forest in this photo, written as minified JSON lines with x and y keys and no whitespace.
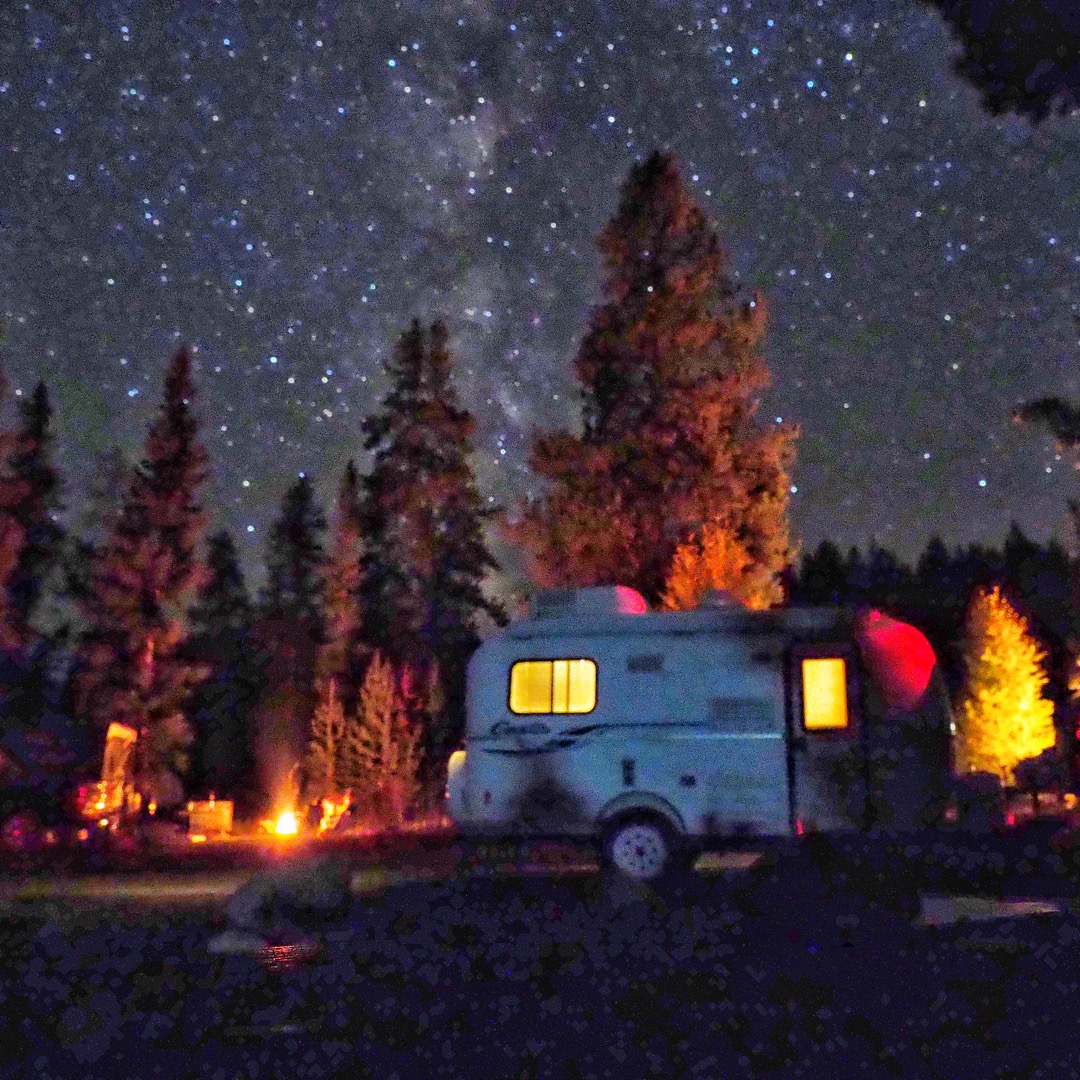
{"x":359,"y":634}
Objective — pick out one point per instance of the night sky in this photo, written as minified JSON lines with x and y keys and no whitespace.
{"x":284,"y":185}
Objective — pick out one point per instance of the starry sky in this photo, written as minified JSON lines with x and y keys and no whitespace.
{"x":284,"y":185}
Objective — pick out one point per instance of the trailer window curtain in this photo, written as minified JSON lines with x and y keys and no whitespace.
{"x":553,"y":686}
{"x":824,"y":686}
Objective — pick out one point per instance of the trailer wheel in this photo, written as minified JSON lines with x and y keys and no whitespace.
{"x":643,"y":847}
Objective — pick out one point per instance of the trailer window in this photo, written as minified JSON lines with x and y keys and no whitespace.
{"x":824,"y":686}
{"x":553,"y":686}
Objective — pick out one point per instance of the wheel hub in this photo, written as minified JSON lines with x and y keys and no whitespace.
{"x":640,"y":850}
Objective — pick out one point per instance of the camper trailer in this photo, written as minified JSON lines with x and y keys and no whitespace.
{"x":659,"y":734}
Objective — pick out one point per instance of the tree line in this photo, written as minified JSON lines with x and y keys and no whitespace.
{"x":348,"y":666}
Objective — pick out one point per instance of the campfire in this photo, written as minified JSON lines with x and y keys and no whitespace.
{"x":286,"y":824}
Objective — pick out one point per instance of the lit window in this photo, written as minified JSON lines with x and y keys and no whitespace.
{"x":553,"y":686}
{"x":824,"y":684}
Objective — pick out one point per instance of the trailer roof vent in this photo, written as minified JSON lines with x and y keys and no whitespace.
{"x":598,"y":600}
{"x":719,"y":598}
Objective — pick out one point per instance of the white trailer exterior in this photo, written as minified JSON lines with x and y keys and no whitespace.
{"x":663,"y":733}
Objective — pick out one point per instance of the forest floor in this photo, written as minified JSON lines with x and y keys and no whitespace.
{"x":833,"y":959}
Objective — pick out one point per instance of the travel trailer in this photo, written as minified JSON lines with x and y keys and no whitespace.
{"x":659,"y":734}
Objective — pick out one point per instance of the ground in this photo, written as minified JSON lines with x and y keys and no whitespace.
{"x":813,"y":964}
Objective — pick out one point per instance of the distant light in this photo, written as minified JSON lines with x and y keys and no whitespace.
{"x":227,"y":41}
{"x":794,"y":489}
{"x":133,"y":392}
{"x":239,"y":282}
{"x":251,"y":528}
{"x":982,"y":483}
{"x":391,"y":63}
{"x":809,"y":84}
{"x":754,"y":51}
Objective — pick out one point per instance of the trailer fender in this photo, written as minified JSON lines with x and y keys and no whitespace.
{"x":641,"y":800}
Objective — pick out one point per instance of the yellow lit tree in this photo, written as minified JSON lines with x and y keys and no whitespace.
{"x":1004,"y":716}
{"x":715,"y":558}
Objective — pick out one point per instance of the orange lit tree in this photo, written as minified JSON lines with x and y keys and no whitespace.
{"x":1004,"y":716}
{"x":381,"y":755}
{"x":145,"y":576}
{"x":323,"y":770}
{"x":671,"y":378}
{"x":714,"y":558}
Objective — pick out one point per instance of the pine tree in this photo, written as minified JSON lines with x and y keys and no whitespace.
{"x":383,"y":761}
{"x":222,"y":707}
{"x":32,"y":467}
{"x":822,"y":576}
{"x":714,"y":558}
{"x":12,"y":535}
{"x":145,"y":576}
{"x":289,"y":635}
{"x":1004,"y":717}
{"x":325,"y":769}
{"x":671,"y":378}
{"x":341,"y":590}
{"x":423,"y":526}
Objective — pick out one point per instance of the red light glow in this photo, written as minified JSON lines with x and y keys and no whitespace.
{"x":630,"y":601}
{"x":900,"y":657}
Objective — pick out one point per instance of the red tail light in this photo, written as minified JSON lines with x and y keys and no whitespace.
{"x":798,"y":827}
{"x":1010,"y":818}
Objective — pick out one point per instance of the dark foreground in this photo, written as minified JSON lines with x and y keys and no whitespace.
{"x":815,"y":966}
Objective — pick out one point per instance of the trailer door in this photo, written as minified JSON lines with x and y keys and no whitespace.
{"x":826,"y":764}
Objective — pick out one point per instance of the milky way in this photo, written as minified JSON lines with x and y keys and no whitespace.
{"x":285,"y":185}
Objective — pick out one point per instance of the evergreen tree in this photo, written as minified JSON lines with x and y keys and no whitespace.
{"x":289,"y":635}
{"x":12,"y":535}
{"x":822,"y":576}
{"x":1004,"y":717}
{"x":145,"y":576}
{"x":33,"y":469}
{"x":341,"y":590}
{"x":714,"y":558}
{"x":384,"y":760}
{"x":423,"y":527}
{"x":325,"y":769}
{"x":671,"y":379}
{"x":223,"y":706}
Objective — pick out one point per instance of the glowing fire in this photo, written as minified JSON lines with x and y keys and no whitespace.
{"x":332,"y":809}
{"x":286,"y":824}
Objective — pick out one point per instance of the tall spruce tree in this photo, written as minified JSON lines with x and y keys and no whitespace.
{"x":424,"y":529}
{"x":222,"y":708}
{"x":670,"y":377}
{"x":289,"y":636}
{"x":145,"y":576}
{"x":32,"y":466}
{"x":341,"y":592}
{"x":12,"y":533}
